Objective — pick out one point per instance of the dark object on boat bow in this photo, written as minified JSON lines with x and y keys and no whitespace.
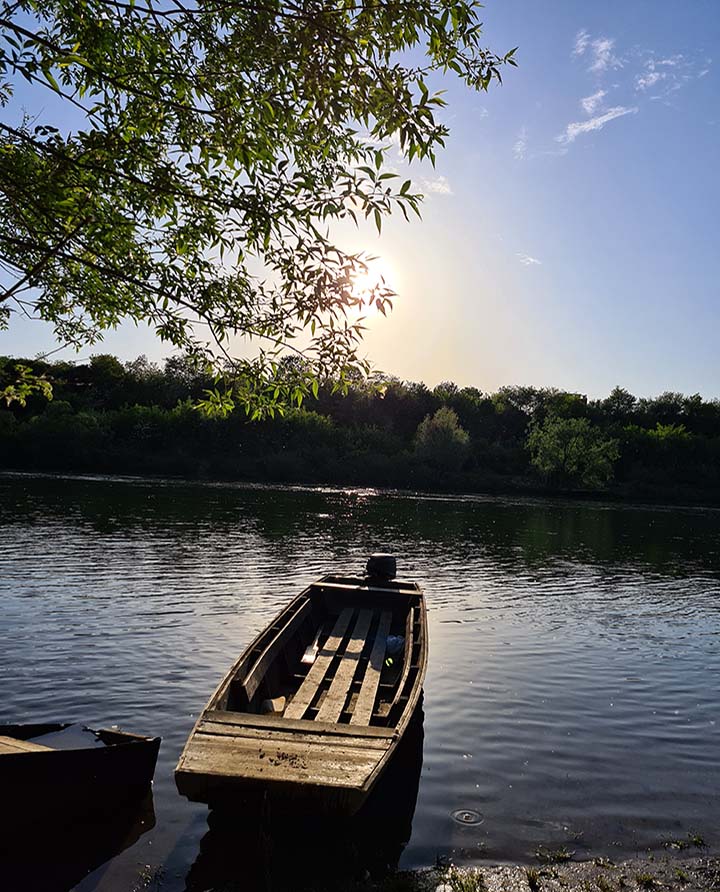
{"x":382,"y":566}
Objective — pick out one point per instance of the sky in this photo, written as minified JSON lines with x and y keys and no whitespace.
{"x":571,"y":231}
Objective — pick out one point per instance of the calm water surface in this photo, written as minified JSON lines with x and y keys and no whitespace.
{"x":572,"y":692}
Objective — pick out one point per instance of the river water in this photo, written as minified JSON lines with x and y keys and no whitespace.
{"x":571,"y":698}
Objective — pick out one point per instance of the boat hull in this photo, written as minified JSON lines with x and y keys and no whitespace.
{"x":76,"y":781}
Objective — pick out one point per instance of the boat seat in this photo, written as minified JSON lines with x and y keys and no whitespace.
{"x":336,"y":696}
{"x":333,"y":704}
{"x":365,"y":703}
{"x":13,"y":745}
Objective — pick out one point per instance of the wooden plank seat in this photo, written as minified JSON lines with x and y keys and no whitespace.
{"x":307,"y":690}
{"x":284,"y":761}
{"x":398,"y":588}
{"x":13,"y":745}
{"x":336,"y":696}
{"x":368,"y":691}
{"x":334,"y":702}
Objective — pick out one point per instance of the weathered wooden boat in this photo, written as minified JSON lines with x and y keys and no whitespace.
{"x":69,"y":769}
{"x":313,"y":710}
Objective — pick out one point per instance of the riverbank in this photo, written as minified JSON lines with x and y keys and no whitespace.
{"x":601,"y":875}
{"x":107,"y":418}
{"x":699,"y":874}
{"x":669,"y":874}
{"x":675,"y":497}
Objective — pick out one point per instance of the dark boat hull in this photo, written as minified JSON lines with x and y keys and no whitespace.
{"x":76,"y":781}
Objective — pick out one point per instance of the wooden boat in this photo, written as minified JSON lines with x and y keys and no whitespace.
{"x":313,"y":733}
{"x":72,"y":770}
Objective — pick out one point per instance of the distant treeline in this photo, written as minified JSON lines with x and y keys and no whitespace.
{"x":139,"y":418}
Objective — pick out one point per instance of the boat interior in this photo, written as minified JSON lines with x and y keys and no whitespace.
{"x":345,"y":651}
{"x":37,"y":738}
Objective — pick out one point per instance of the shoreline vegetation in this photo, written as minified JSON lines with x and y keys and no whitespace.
{"x":137,"y":418}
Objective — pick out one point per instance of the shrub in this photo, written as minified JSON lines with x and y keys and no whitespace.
{"x":441,"y":442}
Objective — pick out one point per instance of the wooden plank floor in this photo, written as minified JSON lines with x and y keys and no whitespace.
{"x":336,"y":696}
{"x":366,"y":698}
{"x":349,"y":669}
{"x":298,"y":705}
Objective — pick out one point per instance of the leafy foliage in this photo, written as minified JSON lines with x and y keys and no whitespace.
{"x":441,"y":442}
{"x":25,"y":385}
{"x":137,"y":417}
{"x":212,"y":147}
{"x":572,"y":451}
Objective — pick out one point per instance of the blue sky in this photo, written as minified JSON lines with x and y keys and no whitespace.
{"x":570,"y":233}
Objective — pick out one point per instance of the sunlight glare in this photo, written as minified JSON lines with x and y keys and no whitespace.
{"x":375,"y":283}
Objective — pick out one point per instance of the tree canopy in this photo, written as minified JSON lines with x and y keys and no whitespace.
{"x":193,"y":159}
{"x":572,"y":451}
{"x":441,"y":441}
{"x":137,"y":417}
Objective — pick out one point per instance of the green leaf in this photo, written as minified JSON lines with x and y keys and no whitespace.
{"x":48,"y":75}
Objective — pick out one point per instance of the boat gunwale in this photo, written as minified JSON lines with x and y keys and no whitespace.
{"x":130,"y":738}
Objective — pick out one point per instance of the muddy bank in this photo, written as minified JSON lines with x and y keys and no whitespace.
{"x":667,"y":873}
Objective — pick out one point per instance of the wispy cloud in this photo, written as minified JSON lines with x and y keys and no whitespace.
{"x":603,"y":57}
{"x":635,"y":71}
{"x":391,"y":143}
{"x":527,"y":260}
{"x":572,"y":131}
{"x":439,"y":185}
{"x":590,"y":104}
{"x":656,"y":70}
{"x":599,"y":50}
{"x":520,"y":146}
{"x":582,"y":39}
{"x":647,"y":80}
{"x":669,"y":74}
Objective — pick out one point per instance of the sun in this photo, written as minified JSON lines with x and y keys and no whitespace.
{"x":373,"y":287}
